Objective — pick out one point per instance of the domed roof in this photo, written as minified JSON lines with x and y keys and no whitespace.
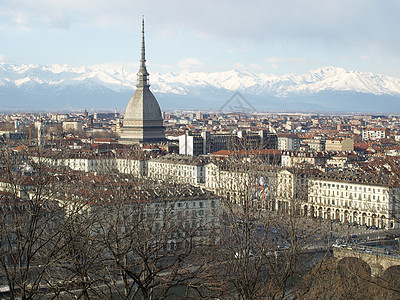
{"x":142,"y":106}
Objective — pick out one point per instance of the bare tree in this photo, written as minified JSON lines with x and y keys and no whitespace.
{"x":133,"y":238}
{"x":266,"y":241}
{"x":29,"y":225}
{"x":90,"y":235}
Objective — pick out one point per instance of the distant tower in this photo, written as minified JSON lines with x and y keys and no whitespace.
{"x":143,"y":123}
{"x":118,"y":126}
{"x":40,"y":133}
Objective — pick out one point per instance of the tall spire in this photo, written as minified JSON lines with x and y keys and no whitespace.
{"x":143,"y":59}
{"x":142,"y":74}
{"x":143,"y":122}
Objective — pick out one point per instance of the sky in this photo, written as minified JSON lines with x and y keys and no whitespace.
{"x":260,"y":36}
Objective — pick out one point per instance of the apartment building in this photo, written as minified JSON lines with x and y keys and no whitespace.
{"x":208,"y":142}
{"x":290,"y":159}
{"x":339,"y":144}
{"x":375,"y":133}
{"x":72,"y":125}
{"x":243,"y":184}
{"x":289,"y":142}
{"x":86,"y":162}
{"x":135,"y":167}
{"x":359,"y":198}
{"x":317,"y":145}
{"x":173,"y":168}
{"x":290,"y":191}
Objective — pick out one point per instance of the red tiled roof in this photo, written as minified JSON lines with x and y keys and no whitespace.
{"x":19,"y":148}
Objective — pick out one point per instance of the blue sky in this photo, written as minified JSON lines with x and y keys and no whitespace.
{"x":263,"y":36}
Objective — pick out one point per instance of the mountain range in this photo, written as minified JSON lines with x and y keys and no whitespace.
{"x":329,"y":89}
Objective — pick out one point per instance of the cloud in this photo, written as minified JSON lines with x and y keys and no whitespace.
{"x":238,"y":50}
{"x":59,"y":21}
{"x":256,"y":66}
{"x":339,"y":24}
{"x":365,"y":57}
{"x":117,"y":66}
{"x":240,"y":67}
{"x":190,"y":63}
{"x":2,"y":58}
{"x":298,"y":60}
{"x":21,"y":21}
{"x":276,"y":61}
{"x":248,"y":68}
{"x":333,"y":23}
{"x":355,"y":22}
{"x":62,"y":13}
{"x":162,"y":66}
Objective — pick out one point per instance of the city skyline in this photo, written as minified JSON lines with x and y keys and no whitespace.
{"x":262,"y":37}
{"x":265,"y":164}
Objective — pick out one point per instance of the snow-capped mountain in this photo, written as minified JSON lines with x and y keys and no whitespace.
{"x":105,"y":86}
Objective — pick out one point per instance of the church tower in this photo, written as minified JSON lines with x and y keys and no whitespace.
{"x":143,"y":123}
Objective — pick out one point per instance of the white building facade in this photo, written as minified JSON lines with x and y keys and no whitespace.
{"x":177,"y":169}
{"x":288,"y":142}
{"x":135,"y":167}
{"x":375,"y":134}
{"x":372,"y":203}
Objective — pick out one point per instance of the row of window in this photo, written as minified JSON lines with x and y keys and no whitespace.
{"x":350,"y":195}
{"x":346,"y":203}
{"x":348,"y":187}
